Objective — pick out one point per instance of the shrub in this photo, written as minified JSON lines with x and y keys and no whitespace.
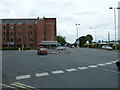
{"x":15,"y":48}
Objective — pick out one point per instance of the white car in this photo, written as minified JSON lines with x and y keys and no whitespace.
{"x":61,"y":48}
{"x":107,"y":47}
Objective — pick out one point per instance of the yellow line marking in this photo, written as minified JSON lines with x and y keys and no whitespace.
{"x":23,"y":85}
{"x":6,"y":85}
{"x":17,"y":85}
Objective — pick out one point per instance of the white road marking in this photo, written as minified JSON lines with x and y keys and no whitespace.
{"x":17,"y":83}
{"x":22,"y":77}
{"x":82,"y":68}
{"x":6,"y":85}
{"x":41,"y":74}
{"x":113,"y":61}
{"x":71,"y":69}
{"x":100,"y":64}
{"x":93,"y":66}
{"x":57,"y":72}
{"x":108,"y":63}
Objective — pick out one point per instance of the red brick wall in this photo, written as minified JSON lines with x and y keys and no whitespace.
{"x":32,"y":34}
{"x":40,"y":31}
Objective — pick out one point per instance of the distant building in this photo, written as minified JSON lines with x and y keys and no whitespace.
{"x":28,"y":32}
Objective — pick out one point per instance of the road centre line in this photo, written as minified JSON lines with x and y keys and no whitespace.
{"x":57,"y":72}
{"x":62,"y":71}
{"x":22,"y":77}
{"x":42,"y":74}
{"x":71,"y":69}
{"x":82,"y":68}
{"x":113,"y":61}
{"x":101,"y":64}
{"x":108,"y":63}
{"x":92,"y":66}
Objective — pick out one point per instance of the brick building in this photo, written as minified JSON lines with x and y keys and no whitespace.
{"x":28,"y":32}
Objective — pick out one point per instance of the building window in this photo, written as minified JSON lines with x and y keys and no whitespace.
{"x":30,"y":26}
{"x":7,"y":27}
{"x":29,"y":33}
{"x":19,"y":33}
{"x":7,"y":33}
{"x":19,"y":39}
{"x":11,"y":33}
{"x":4,"y":39}
{"x":12,"y":39}
{"x":30,"y":39}
{"x":11,"y":27}
{"x":4,"y":27}
{"x":4,"y":33}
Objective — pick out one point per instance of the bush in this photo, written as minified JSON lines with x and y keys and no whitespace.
{"x":15,"y":48}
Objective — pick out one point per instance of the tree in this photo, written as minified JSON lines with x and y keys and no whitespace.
{"x":89,"y":38}
{"x":82,"y":40}
{"x":61,"y":40}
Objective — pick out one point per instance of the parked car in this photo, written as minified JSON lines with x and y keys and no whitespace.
{"x":107,"y":47}
{"x":118,"y":63}
{"x":42,"y":51}
{"x":61,"y":48}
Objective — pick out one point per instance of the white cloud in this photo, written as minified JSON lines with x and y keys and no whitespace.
{"x":89,"y":13}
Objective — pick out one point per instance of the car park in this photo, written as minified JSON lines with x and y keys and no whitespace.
{"x":107,"y":47}
{"x":42,"y":51}
{"x":118,"y":63}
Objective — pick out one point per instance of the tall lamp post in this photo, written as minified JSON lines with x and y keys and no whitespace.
{"x":94,"y":36}
{"x":77,"y":34}
{"x":95,"y":32}
{"x":115,"y":23}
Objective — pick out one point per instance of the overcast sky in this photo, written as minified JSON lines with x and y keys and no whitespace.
{"x":87,"y":13}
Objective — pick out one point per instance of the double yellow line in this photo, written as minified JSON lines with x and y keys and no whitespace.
{"x":19,"y":85}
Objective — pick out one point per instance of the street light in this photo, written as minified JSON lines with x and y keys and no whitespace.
{"x":95,"y":36}
{"x":77,"y":29}
{"x":115,"y":23}
{"x":95,"y":32}
{"x":77,"y":34}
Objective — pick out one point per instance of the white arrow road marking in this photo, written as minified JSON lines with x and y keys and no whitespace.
{"x":71,"y":69}
{"x":41,"y":74}
{"x":57,"y":72}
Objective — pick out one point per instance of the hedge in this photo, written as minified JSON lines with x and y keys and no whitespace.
{"x":15,"y":48}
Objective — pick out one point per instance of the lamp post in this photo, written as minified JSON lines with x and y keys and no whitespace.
{"x":77,"y":34}
{"x":115,"y":23}
{"x":95,"y":33}
{"x":94,"y":36}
